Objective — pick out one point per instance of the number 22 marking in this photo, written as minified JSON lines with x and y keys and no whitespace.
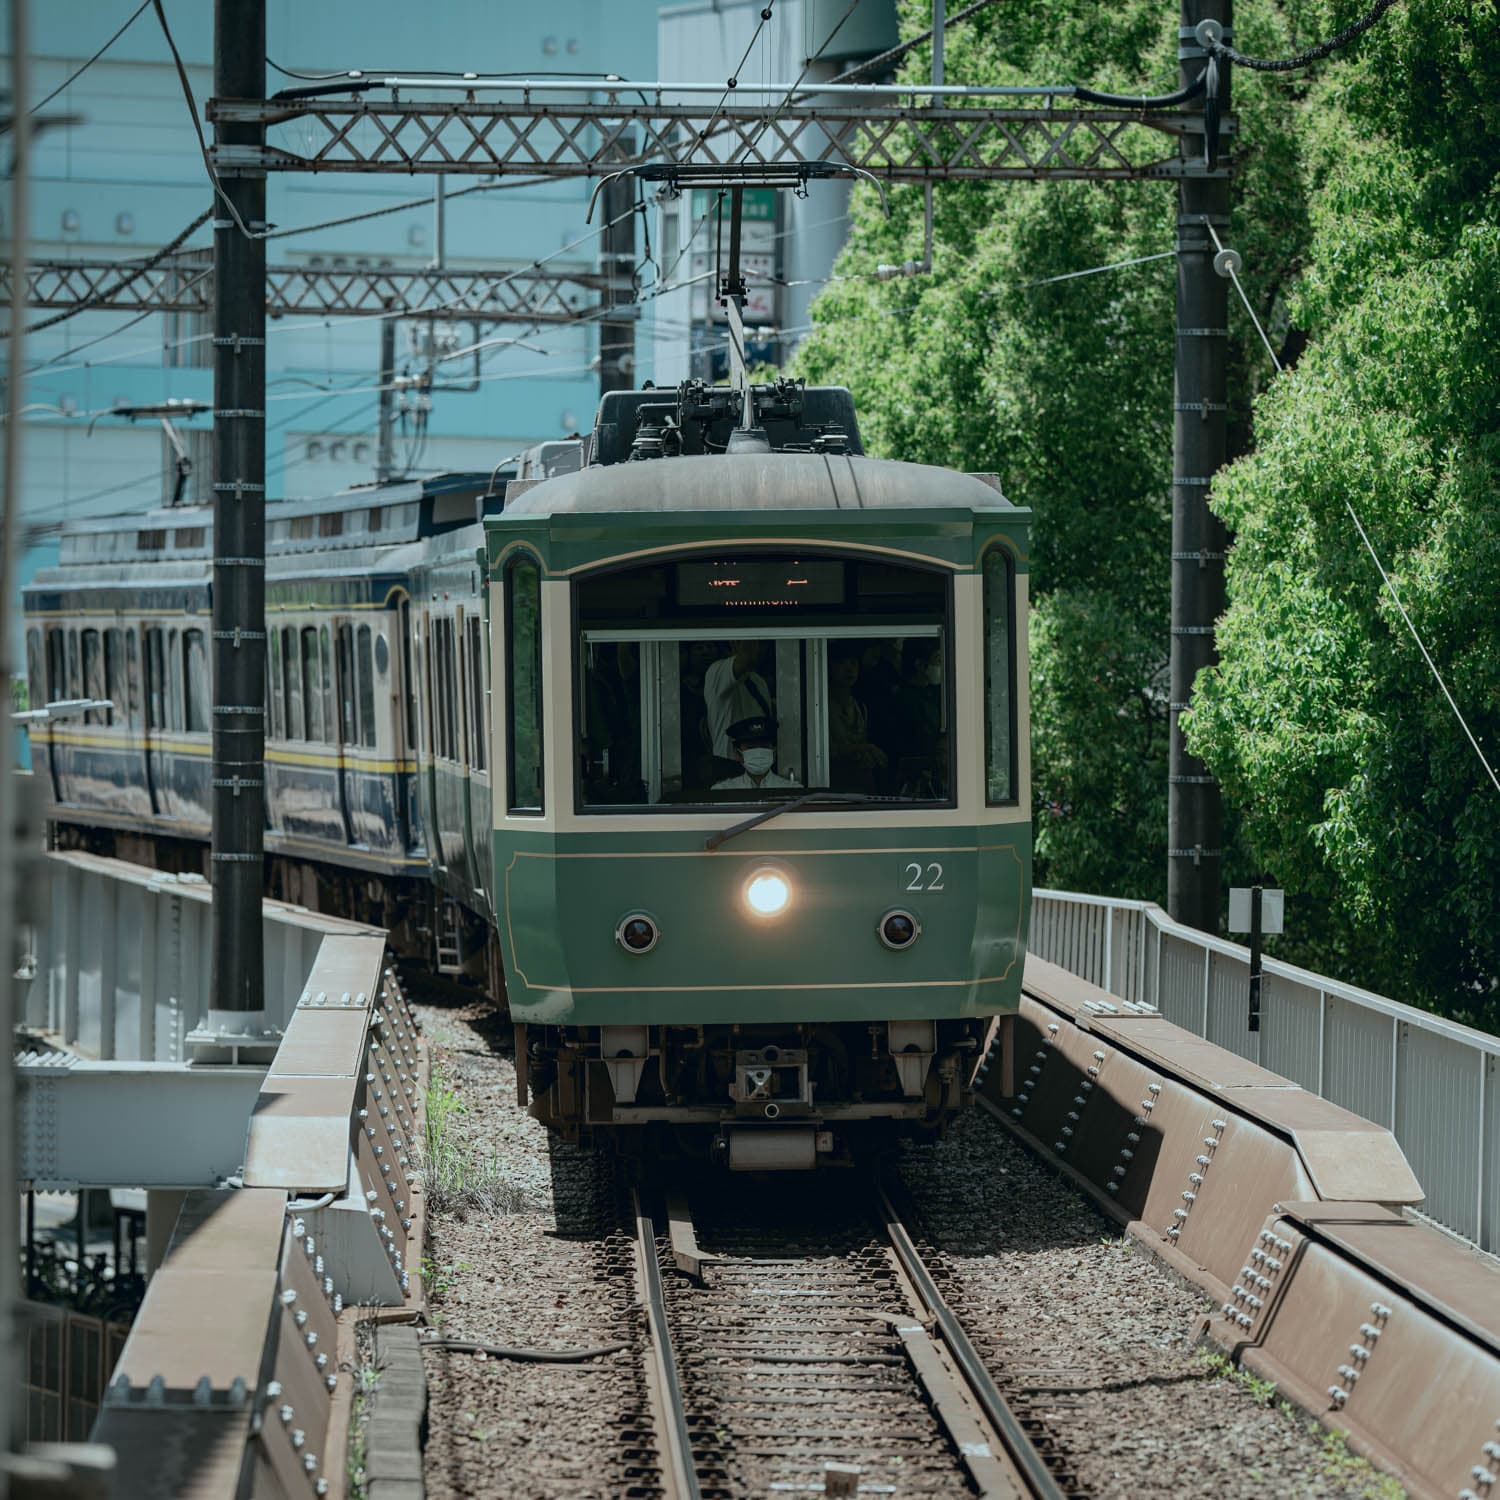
{"x":934,"y":877}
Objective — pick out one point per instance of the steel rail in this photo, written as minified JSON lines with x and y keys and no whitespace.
{"x":980,"y":1382}
{"x":679,"y":1470}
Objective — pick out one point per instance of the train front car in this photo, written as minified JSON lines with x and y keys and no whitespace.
{"x":763,"y":844}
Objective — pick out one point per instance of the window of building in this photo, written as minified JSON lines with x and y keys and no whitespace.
{"x":331,"y":524}
{"x":196,"y":700}
{"x":93,"y":676}
{"x":523,"y":684}
{"x":312,"y":684}
{"x":150,"y":541}
{"x":476,"y":695}
{"x":999,"y":677}
{"x":302,"y":528}
{"x":366,"y":675}
{"x":190,"y":536}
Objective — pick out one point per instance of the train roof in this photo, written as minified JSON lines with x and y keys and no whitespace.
{"x":757,"y":481}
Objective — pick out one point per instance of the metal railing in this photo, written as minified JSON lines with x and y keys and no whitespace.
{"x":1431,"y":1082}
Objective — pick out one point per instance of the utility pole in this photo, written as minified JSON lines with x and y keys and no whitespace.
{"x":385,"y":436}
{"x":617,"y":335}
{"x":239,"y":577}
{"x":1195,"y":819}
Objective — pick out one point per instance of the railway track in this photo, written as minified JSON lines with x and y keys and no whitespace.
{"x":816,"y":1353}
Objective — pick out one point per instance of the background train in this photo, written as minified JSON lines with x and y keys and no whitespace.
{"x":501,"y":727}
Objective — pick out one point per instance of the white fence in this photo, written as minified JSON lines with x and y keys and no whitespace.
{"x":1432,"y":1082}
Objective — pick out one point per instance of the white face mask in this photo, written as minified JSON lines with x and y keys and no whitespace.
{"x":758,"y":760}
{"x":935,"y":675}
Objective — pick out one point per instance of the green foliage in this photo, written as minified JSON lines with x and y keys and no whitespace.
{"x":1356,"y":785}
{"x":1065,"y":389}
{"x":456,"y":1178}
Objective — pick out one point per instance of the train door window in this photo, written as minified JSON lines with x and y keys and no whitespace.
{"x":36,"y":689}
{"x":366,"y":676}
{"x":999,"y":677}
{"x":75,"y":678}
{"x":325,"y":658}
{"x":93,"y":676}
{"x":291,"y":666}
{"x":477,"y":734}
{"x":116,"y":688}
{"x":132,"y":679}
{"x":453,"y":707}
{"x":57,"y":665}
{"x":195,"y":698}
{"x":344,"y":660}
{"x":523,"y":685}
{"x":441,"y":733}
{"x":156,"y":681}
{"x":408,"y":683}
{"x":174,"y":682}
{"x":275,"y":706}
{"x":312,"y":684}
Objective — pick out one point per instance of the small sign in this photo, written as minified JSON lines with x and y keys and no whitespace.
{"x":1272,"y":908}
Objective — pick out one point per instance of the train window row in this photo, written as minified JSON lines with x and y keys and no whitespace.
{"x":105,"y":665}
{"x":456,"y":692}
{"x":311,"y":698}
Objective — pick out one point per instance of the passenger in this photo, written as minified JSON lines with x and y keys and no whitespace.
{"x":856,"y":763}
{"x":614,"y":736}
{"x":879,"y":685}
{"x":733,"y":690}
{"x":754,"y":744}
{"x":921,"y":743}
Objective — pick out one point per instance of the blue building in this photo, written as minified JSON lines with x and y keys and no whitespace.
{"x":119,"y":175}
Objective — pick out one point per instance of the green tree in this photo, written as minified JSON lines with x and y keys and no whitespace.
{"x":1064,"y":387}
{"x":1355,"y":784}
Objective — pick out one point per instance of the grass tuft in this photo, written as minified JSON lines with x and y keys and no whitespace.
{"x":455,"y":1177}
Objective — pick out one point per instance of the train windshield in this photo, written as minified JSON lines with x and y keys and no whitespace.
{"x":742,"y":680}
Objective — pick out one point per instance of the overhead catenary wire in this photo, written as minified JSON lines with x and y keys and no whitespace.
{"x":78,"y":73}
{"x":883,"y":60}
{"x":1364,"y":536}
{"x":1311,"y":54}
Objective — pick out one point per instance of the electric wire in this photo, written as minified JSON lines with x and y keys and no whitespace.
{"x":1311,"y":54}
{"x":192,"y":104}
{"x":734,"y":77}
{"x":75,"y":76}
{"x":1364,"y":537}
{"x":882,"y":61}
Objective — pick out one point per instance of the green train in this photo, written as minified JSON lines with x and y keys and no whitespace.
{"x":760,"y":778}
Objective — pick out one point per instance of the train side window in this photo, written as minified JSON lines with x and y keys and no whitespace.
{"x":132,"y":681}
{"x":156,"y":681}
{"x":36,"y":689}
{"x":274,"y":706}
{"x":348,"y":734}
{"x":999,"y":677}
{"x":450,"y":691}
{"x":429,"y":735}
{"x":408,"y":682}
{"x":312,"y":684}
{"x":523,"y":685}
{"x":441,"y":747}
{"x":75,"y":680}
{"x":195,"y":698}
{"x":325,"y":657}
{"x":366,"y":688}
{"x":57,"y":666}
{"x":292,"y":668}
{"x":477,"y":734}
{"x":174,"y":682}
{"x":93,"y":676}
{"x":114,"y":674}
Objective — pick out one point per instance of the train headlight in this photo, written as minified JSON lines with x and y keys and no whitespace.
{"x":637,"y":933}
{"x":899,"y":929}
{"x":768,"y":893}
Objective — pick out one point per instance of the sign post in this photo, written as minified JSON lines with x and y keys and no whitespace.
{"x":1260,"y":912}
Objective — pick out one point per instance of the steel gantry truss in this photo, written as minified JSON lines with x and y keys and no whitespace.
{"x":882,"y":131}
{"x":525,"y":295}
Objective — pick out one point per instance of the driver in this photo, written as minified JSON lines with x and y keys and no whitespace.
{"x":754,"y":744}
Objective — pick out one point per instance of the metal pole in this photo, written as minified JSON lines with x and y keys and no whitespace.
{"x":1255,"y":958}
{"x":10,"y":787}
{"x":617,"y":335}
{"x":385,"y":443}
{"x":439,"y":224}
{"x":239,"y":577}
{"x":1194,"y":810}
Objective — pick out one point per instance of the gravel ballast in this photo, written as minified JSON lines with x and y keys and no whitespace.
{"x":1090,"y":1333}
